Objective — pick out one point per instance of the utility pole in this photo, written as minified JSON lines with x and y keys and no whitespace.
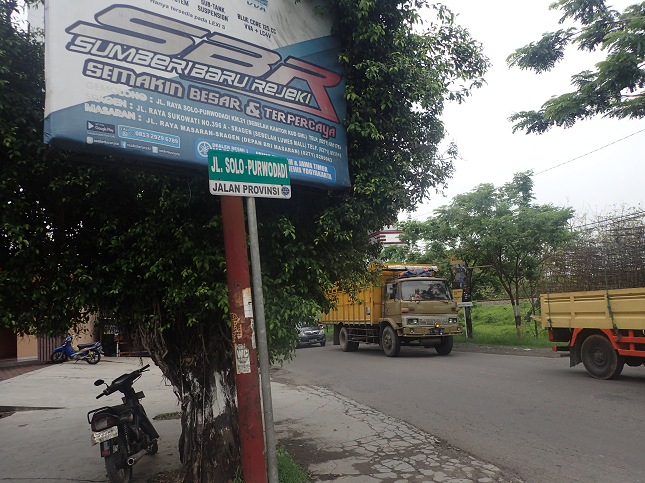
{"x":246,"y":366}
{"x":260,"y":324}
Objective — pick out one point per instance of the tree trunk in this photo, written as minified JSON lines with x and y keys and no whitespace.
{"x":469,"y":322}
{"x":197,"y":361}
{"x":518,"y":320}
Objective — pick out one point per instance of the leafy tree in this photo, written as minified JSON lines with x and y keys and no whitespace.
{"x":500,"y":227}
{"x":613,"y":89}
{"x":146,"y":248}
{"x":431,"y":242}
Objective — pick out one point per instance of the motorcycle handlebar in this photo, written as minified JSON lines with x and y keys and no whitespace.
{"x":110,"y":389}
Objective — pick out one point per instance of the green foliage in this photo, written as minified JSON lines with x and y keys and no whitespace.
{"x":37,"y":221}
{"x":499,"y":227}
{"x":613,"y":88}
{"x":542,"y":56}
{"x":398,"y":78}
{"x":288,"y":470}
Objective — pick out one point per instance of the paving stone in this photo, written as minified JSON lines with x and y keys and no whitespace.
{"x":383,"y":449}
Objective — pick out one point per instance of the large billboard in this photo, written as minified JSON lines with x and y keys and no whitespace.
{"x":166,"y":81}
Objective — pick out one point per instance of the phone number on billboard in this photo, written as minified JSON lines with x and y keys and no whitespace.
{"x":150,"y":136}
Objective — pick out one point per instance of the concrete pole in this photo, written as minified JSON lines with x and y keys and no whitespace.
{"x":263,"y":350}
{"x":246,"y":367}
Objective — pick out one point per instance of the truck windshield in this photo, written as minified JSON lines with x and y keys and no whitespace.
{"x":417,"y":290}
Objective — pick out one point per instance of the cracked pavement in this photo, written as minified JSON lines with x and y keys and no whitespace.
{"x":338,"y":439}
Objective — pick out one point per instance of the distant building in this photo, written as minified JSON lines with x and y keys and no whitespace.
{"x":17,"y":348}
{"x":387,"y":236}
{"x":31,"y":348}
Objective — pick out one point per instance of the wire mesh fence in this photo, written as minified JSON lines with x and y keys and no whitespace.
{"x":607,"y":253}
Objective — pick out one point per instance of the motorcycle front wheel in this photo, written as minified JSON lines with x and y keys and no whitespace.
{"x":93,"y":357}
{"x":58,"y":357}
{"x":117,"y":466}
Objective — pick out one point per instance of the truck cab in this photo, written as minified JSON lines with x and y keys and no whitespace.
{"x":418,"y":309}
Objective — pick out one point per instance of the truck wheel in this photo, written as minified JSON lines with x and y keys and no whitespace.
{"x":445,"y":346}
{"x":600,"y":359}
{"x":391,"y":342}
{"x":345,"y":344}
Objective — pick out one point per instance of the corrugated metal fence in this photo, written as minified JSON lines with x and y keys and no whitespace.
{"x":46,"y":346}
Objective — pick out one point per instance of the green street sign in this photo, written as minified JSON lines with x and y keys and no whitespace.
{"x":250,"y":175}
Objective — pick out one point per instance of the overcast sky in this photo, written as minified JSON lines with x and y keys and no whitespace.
{"x":491,"y":153}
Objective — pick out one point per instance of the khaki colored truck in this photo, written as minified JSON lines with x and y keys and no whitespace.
{"x":410,"y":306}
{"x":603,"y":329}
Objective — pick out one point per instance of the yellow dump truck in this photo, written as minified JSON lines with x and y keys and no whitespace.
{"x":603,"y":329}
{"x":410,"y":306}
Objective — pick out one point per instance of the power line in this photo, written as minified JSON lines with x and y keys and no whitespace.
{"x":561,"y":164}
{"x":590,"y":152}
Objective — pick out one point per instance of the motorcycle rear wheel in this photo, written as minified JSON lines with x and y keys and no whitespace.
{"x":93,"y":357}
{"x":117,"y":466}
{"x":58,"y":357}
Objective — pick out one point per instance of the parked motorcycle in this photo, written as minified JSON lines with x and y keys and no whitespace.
{"x":124,"y":432}
{"x":91,"y":353}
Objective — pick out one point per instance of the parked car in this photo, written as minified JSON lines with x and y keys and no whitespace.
{"x":310,"y":334}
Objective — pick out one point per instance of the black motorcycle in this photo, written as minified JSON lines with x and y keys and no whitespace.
{"x":124,"y":432}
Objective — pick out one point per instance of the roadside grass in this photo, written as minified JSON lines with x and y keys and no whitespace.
{"x":495,"y":325}
{"x":289,"y":471}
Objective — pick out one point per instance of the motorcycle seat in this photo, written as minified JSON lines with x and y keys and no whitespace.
{"x":83,"y":346}
{"x":116,"y":410}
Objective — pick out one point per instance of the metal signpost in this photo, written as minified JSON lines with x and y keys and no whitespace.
{"x":246,"y":368}
{"x":233,"y":175}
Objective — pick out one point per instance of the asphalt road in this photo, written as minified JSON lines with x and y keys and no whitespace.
{"x":532,"y":415}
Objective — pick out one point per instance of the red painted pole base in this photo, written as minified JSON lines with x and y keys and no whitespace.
{"x":241,"y":309}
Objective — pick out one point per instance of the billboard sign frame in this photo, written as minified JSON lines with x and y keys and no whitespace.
{"x":166,"y":81}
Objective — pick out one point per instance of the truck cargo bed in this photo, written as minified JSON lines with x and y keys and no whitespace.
{"x":623,"y":309}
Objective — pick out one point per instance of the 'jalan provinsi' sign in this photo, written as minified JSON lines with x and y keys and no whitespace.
{"x":166,"y":81}
{"x":249,"y":175}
